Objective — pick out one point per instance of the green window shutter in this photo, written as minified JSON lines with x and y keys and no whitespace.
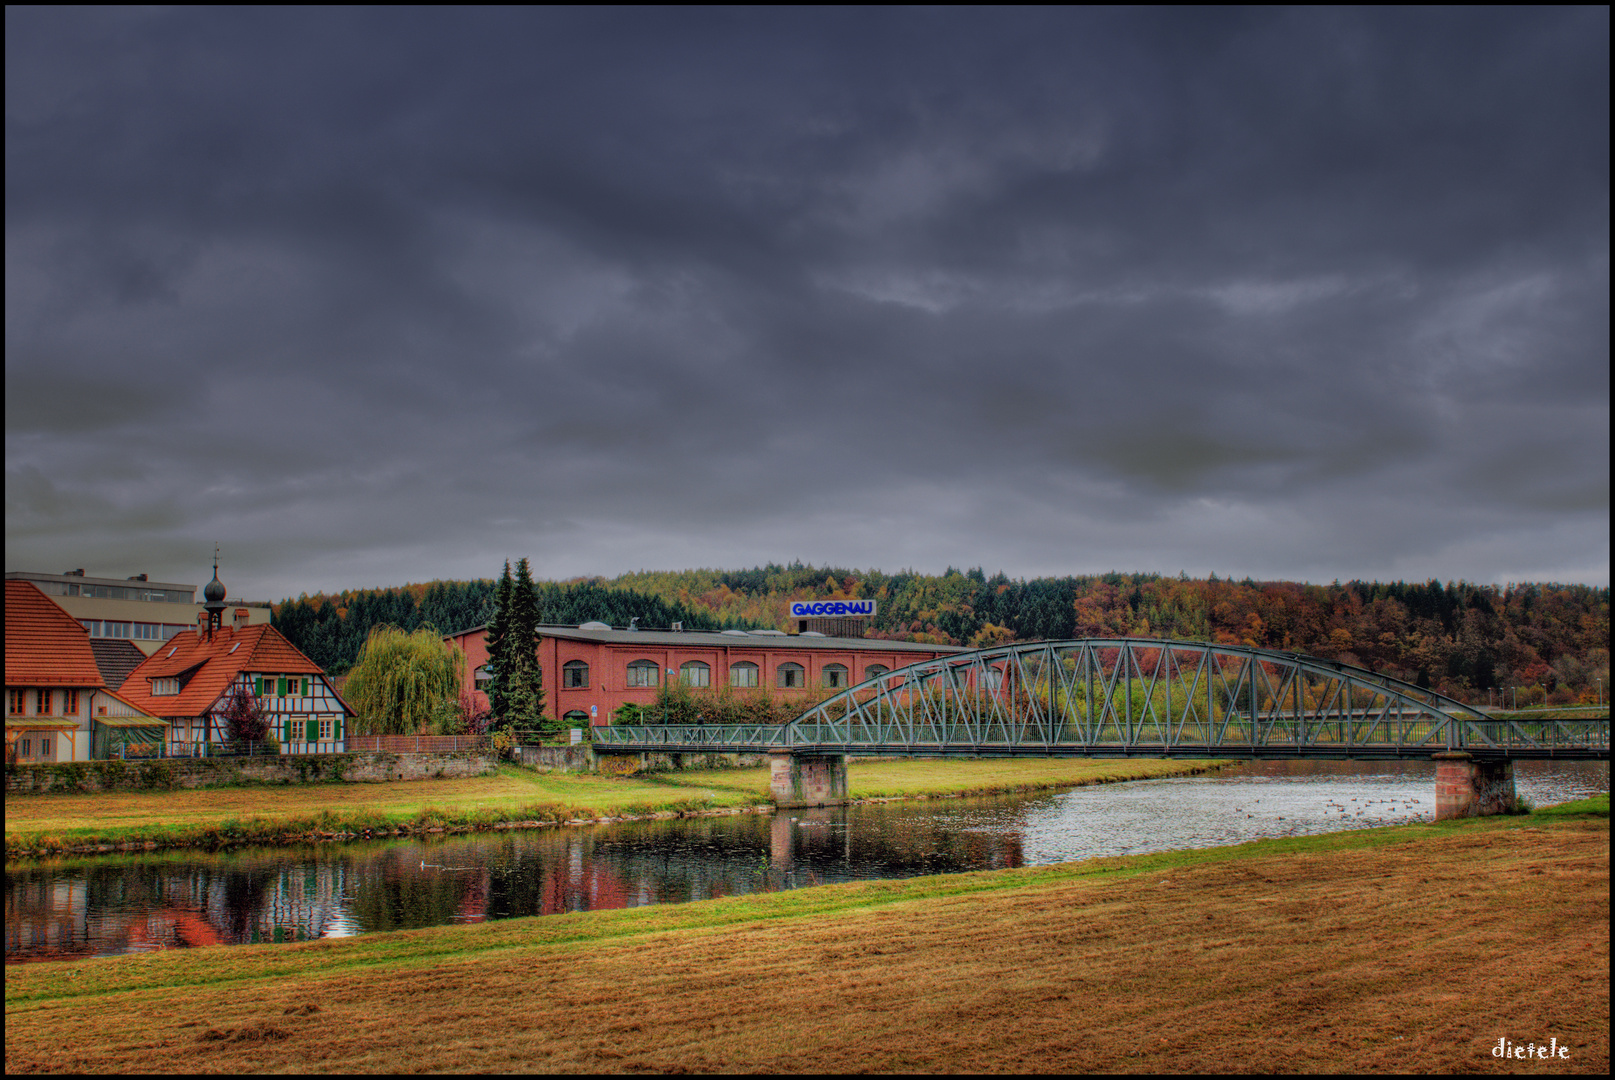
{"x":288,"y":729}
{"x":257,"y":686}
{"x":305,"y":688}
{"x":313,"y":730}
{"x":336,"y":727}
{"x":281,"y":686}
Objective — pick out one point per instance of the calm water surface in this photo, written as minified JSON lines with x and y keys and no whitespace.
{"x":117,"y":904}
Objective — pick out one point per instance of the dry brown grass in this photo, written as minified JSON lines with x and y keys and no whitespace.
{"x":1396,"y":955}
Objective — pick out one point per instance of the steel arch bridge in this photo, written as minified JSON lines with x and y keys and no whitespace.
{"x":1146,"y":697}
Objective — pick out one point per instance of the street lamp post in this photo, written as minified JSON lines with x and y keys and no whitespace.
{"x":1516,"y":700}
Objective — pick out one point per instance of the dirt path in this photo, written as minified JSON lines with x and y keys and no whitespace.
{"x":1411,"y":956}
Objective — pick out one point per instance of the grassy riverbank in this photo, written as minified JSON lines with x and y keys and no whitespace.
{"x":256,"y":814}
{"x":1407,"y":949}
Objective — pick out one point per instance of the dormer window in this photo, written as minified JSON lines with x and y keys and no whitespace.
{"x":164,"y":687}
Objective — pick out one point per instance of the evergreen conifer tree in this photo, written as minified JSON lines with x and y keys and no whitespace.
{"x":499,"y":638}
{"x":525,"y":688}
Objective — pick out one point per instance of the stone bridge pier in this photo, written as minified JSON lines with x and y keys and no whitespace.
{"x":1469,"y":788}
{"x":817,"y":780}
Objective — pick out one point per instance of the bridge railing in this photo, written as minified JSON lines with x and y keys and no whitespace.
{"x":716,"y":736}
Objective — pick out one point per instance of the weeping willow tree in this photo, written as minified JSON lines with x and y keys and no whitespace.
{"x":401,"y":681}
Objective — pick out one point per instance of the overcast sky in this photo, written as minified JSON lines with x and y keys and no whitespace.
{"x":385,"y":295}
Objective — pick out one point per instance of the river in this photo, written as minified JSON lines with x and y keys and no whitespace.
{"x":110,"y":905}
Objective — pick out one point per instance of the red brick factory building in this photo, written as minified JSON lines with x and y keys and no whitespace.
{"x":591,"y":670}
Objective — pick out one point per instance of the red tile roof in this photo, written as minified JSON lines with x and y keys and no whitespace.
{"x":45,"y":646}
{"x":208,"y":665}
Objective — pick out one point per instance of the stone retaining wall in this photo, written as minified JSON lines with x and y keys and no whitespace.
{"x":165,"y":774}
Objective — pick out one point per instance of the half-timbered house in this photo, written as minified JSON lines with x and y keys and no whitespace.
{"x":190,"y":681}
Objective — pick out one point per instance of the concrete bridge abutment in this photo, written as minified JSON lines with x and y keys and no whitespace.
{"x":1469,"y":788}
{"x":816,"y":780}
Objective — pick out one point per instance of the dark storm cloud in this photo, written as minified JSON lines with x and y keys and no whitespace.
{"x":375,"y":296}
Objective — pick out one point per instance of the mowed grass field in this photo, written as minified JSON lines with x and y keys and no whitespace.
{"x":1409,"y":949}
{"x":511,"y":794}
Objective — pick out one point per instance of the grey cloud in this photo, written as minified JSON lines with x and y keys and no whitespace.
{"x":380,"y":293}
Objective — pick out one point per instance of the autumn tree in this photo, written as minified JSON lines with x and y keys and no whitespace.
{"x":244,"y":719}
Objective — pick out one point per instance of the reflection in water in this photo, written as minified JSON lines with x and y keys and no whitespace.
{"x":120,"y":904}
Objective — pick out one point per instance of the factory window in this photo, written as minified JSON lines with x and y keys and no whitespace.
{"x":874,"y":671}
{"x":576,"y":718}
{"x":642,"y":673}
{"x":574,"y":675}
{"x":743,"y":674}
{"x":835,"y":675}
{"x":791,"y":677}
{"x":695,"y":673}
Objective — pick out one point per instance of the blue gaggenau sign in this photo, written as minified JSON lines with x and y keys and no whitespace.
{"x":807,"y":609}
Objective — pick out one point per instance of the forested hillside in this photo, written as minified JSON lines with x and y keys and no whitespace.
{"x":331,"y":628}
{"x":1550,"y":640}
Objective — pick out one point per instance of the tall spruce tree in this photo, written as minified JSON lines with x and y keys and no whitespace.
{"x":525,"y":689}
{"x":499,"y":638}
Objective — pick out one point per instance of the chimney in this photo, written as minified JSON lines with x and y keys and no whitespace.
{"x":201,"y":624}
{"x":240,"y":617}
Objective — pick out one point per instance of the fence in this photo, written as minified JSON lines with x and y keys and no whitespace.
{"x":202,"y":750}
{"x":417,"y":744}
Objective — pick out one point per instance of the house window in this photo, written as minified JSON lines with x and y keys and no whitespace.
{"x":642,"y":673}
{"x":325,"y":727}
{"x":574,"y":675}
{"x":28,"y":748}
{"x":71,"y":706}
{"x":42,"y":706}
{"x":160,"y":687}
{"x":44,"y":748}
{"x":14,"y":701}
{"x":743,"y":674}
{"x":835,"y":675}
{"x":875,"y":671}
{"x":791,"y":677}
{"x":695,"y":673}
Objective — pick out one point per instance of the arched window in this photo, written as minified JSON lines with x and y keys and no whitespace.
{"x":643,"y":673}
{"x":574,"y":675}
{"x":835,"y":675}
{"x":790,"y":676}
{"x":695,"y":673}
{"x":743,"y":674}
{"x":875,"y":670}
{"x":576,"y":718}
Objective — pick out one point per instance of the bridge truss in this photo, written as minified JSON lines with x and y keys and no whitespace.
{"x":1104,"y":697}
